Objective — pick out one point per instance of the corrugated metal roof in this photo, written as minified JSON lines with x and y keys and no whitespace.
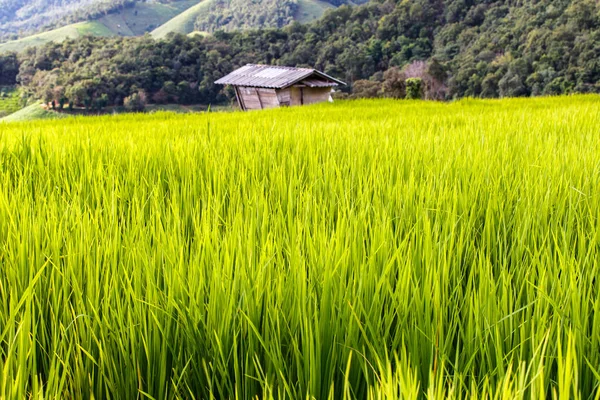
{"x":318,"y":83}
{"x":273,"y":77}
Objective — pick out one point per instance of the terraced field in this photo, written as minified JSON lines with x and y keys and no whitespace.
{"x":9,"y":101}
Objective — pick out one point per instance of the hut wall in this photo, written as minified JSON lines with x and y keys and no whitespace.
{"x":258,"y":98}
{"x":268,"y":98}
{"x":308,"y":95}
{"x":296,"y":96}
{"x":316,"y":95}
{"x":285,"y":97}
{"x":249,"y":98}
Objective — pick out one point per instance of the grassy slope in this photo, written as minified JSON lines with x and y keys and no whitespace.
{"x":92,"y":28}
{"x":184,"y":22}
{"x":31,"y":113}
{"x":144,"y":17}
{"x":198,"y":33}
{"x":310,"y":10}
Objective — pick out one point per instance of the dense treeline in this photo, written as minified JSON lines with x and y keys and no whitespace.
{"x":539,"y":48}
{"x":432,"y":48}
{"x":96,"y":72}
{"x":9,"y":69}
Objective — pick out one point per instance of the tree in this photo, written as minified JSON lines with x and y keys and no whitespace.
{"x":366,"y":89}
{"x":59,"y":95}
{"x":414,"y":88}
{"x":160,"y":97}
{"x":136,"y":102}
{"x":394,"y":83}
{"x":511,"y":85}
{"x":101,"y":101}
{"x":9,"y":69}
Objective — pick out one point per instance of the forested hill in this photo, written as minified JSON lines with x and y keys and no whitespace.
{"x":23,"y":18}
{"x":18,"y":16}
{"x":457,"y":47}
{"x":231,"y":15}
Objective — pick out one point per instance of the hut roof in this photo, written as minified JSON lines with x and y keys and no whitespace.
{"x":276,"y":77}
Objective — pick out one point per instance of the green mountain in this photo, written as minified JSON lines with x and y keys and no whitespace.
{"x":77,"y":18}
{"x":19,"y":18}
{"x":135,"y":19}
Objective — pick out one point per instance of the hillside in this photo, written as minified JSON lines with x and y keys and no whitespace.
{"x":311,"y":10}
{"x":184,"y":22}
{"x":134,"y":18}
{"x":19,"y":18}
{"x":485,"y":50}
{"x":451,"y":49}
{"x":33,"y":112}
{"x":232,"y":15}
{"x":144,"y":17}
{"x":72,"y":31}
{"x":196,"y":18}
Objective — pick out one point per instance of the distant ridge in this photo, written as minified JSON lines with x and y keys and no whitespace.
{"x":156,"y":18}
{"x":73,"y":31}
{"x":184,"y":22}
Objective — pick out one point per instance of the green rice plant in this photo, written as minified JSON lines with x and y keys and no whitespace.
{"x":358,"y":250}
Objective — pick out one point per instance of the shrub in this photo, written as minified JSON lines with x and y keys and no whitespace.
{"x":160,"y":97}
{"x":414,"y":88}
{"x":394,"y":83}
{"x":136,"y":102}
{"x":366,"y":89}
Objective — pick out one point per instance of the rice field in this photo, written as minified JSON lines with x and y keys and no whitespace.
{"x":10,"y":101}
{"x":357,"y":250}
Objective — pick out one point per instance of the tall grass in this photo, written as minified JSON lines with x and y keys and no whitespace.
{"x":368,"y":250}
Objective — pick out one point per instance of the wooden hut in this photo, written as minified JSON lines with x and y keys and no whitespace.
{"x":259,"y":87}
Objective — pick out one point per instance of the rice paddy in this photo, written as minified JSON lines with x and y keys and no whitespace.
{"x":9,"y":101}
{"x":357,"y":250}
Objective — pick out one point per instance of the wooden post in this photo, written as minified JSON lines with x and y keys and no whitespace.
{"x":259,"y":99}
{"x":239,"y":99}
